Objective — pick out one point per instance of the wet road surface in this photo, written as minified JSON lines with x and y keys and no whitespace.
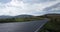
{"x":31,"y":26}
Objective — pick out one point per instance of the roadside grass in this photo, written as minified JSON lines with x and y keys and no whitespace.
{"x":51,"y":26}
{"x":20,"y":19}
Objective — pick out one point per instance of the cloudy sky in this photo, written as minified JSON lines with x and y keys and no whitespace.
{"x":18,"y":7}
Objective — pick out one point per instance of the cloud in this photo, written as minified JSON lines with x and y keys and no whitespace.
{"x":53,"y":9}
{"x":5,"y":1}
{"x":17,"y":7}
{"x":36,"y":1}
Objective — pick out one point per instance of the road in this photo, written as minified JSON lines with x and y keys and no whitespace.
{"x":31,"y":26}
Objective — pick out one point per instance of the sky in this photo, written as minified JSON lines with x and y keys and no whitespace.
{"x":18,"y":7}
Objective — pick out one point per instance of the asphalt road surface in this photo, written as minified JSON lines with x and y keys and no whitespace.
{"x":32,"y":26}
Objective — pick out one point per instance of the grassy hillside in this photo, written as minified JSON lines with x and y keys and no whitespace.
{"x":20,"y":19}
{"x":53,"y":25}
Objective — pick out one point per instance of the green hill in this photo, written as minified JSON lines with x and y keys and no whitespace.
{"x":22,"y":18}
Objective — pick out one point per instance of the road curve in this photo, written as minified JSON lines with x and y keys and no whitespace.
{"x":31,"y":26}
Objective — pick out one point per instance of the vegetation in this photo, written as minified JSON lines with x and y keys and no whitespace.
{"x":53,"y":25}
{"x":20,"y":19}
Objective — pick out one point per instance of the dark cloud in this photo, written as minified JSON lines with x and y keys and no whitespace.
{"x":53,"y":9}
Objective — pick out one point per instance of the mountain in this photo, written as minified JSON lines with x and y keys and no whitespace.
{"x":23,"y":16}
{"x":19,"y":16}
{"x":53,"y":9}
{"x":53,"y":14}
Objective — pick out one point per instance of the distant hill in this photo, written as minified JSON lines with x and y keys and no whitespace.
{"x":19,"y":16}
{"x":24,"y":16}
{"x":50,"y":15}
{"x":54,"y":14}
{"x":4,"y":17}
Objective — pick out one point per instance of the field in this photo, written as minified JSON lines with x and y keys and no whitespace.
{"x":53,"y":25}
{"x":20,"y":19}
